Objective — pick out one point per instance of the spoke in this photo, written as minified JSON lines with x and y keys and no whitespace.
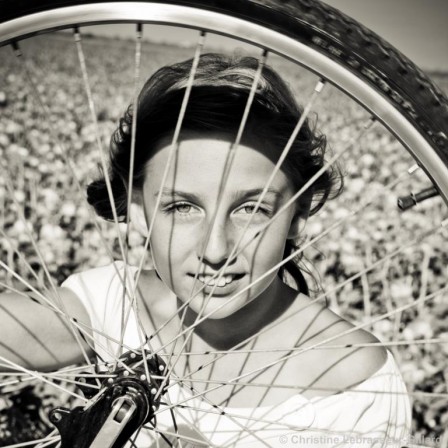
{"x":111,"y":339}
{"x":116,"y":360}
{"x":225,"y":402}
{"x":53,"y":437}
{"x":85,"y":375}
{"x":134,"y":438}
{"x":327,"y":347}
{"x":226,"y":172}
{"x":179,"y":414}
{"x":23,"y":259}
{"x":105,"y":371}
{"x":22,"y":377}
{"x":99,"y":144}
{"x":234,"y":416}
{"x":173,"y":418}
{"x":174,"y":143}
{"x":40,"y":377}
{"x":295,"y":387}
{"x":86,"y":83}
{"x":15,"y":382}
{"x":138,"y":52}
{"x":173,"y":150}
{"x":371,"y":267}
{"x":217,"y":408}
{"x":45,"y":440}
{"x":65,"y":379}
{"x":177,"y":435}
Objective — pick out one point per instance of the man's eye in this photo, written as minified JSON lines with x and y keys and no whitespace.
{"x":248,"y":209}
{"x":183,"y":209}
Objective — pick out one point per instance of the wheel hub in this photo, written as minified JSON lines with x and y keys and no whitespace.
{"x":127,"y":399}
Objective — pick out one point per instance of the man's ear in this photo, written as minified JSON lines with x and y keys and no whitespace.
{"x":138,"y":219}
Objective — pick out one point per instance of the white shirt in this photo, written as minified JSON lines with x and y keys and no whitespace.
{"x":375,"y":413}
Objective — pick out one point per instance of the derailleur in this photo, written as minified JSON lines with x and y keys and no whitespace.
{"x":126,"y":400}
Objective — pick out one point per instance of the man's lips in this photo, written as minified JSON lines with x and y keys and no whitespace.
{"x":219,"y":281}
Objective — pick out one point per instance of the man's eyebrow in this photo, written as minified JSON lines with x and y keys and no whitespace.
{"x":169,"y":192}
{"x":256,"y":192}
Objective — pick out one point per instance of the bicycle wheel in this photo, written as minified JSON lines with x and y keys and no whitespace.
{"x":363,"y":279}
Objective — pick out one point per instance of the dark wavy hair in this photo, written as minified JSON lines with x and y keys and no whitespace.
{"x":216,"y":104}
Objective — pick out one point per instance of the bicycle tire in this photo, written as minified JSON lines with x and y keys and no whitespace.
{"x":324,"y":29}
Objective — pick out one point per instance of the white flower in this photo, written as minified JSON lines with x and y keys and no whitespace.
{"x":68,"y":209}
{"x":418,"y":329}
{"x":51,"y":232}
{"x":401,"y":291}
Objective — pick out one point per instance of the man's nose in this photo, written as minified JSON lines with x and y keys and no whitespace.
{"x":217,"y":243}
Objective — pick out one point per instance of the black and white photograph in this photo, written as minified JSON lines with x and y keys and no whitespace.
{"x":224,"y":224}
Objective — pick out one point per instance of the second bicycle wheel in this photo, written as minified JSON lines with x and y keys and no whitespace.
{"x":379,"y":268}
